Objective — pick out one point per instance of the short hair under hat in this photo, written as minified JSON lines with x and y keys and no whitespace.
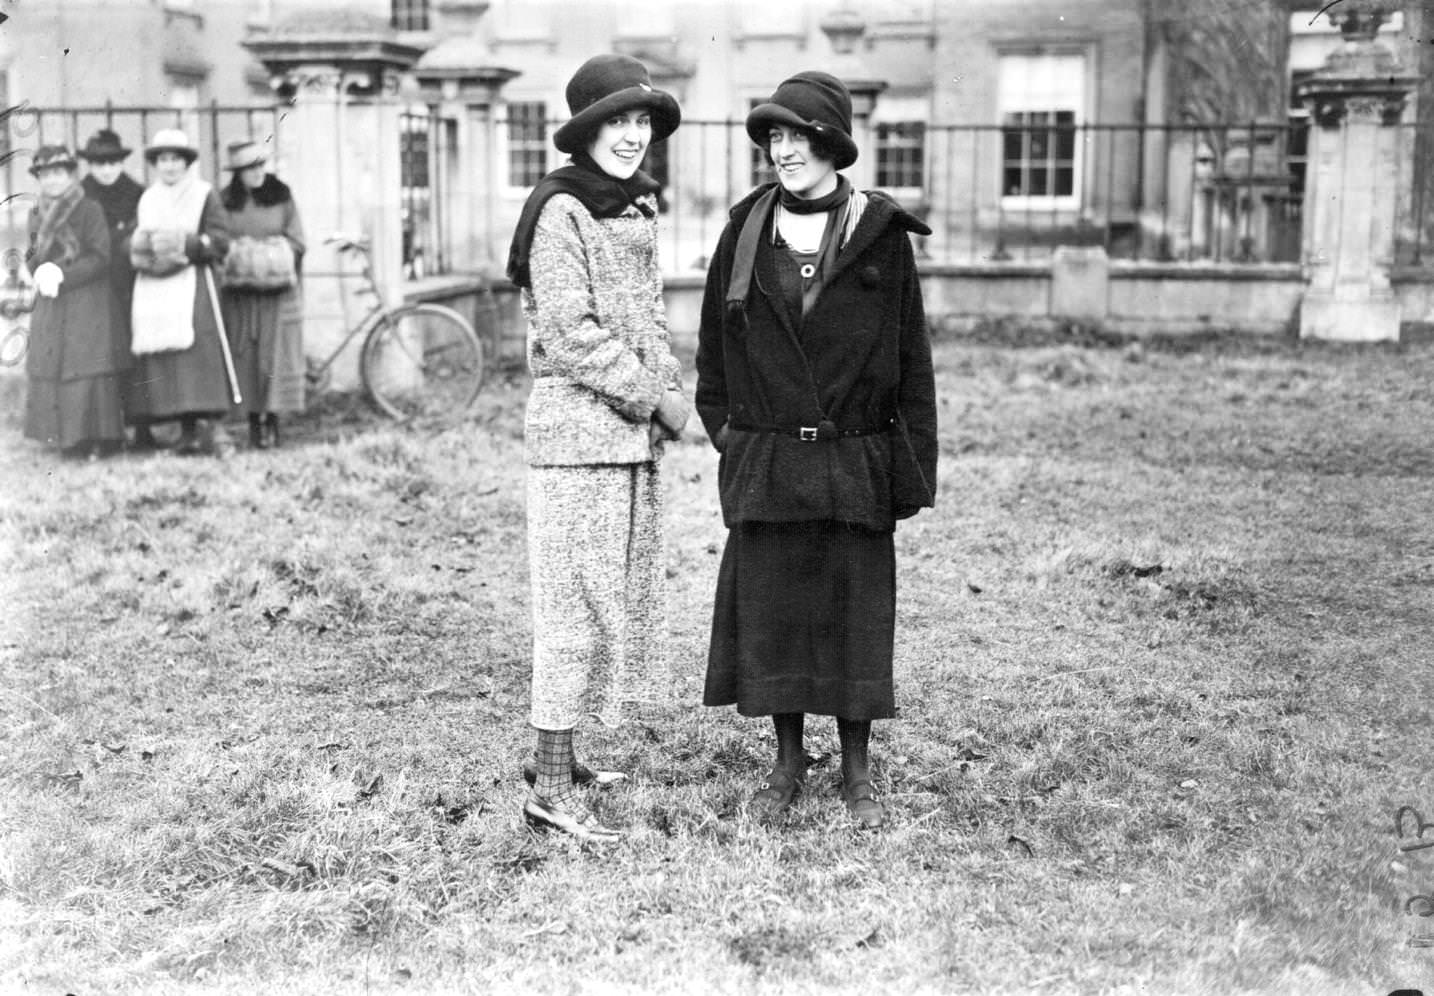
{"x":171,"y":140}
{"x":816,"y":102}
{"x":610,"y":84}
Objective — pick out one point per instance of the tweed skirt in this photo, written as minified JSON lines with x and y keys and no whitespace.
{"x":595,"y":556}
{"x":804,"y":621}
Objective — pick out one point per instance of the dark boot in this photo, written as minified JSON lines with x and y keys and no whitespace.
{"x":257,"y":439}
{"x":271,"y":428}
{"x":189,"y":442}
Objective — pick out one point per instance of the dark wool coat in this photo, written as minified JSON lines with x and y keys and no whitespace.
{"x":70,"y":334}
{"x":119,"y":201}
{"x":861,"y":358}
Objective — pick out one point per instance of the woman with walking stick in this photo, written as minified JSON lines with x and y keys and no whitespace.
{"x":814,"y":381}
{"x":606,"y":394}
{"x":183,"y":368}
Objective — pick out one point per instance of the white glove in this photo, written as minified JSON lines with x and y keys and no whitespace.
{"x":48,"y":278}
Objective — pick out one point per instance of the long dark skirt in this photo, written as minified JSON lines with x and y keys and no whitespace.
{"x":68,"y":413}
{"x":266,"y":333}
{"x":804,"y":621}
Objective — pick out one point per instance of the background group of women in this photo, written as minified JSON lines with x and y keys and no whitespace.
{"x":814,"y":383}
{"x":131,"y":328}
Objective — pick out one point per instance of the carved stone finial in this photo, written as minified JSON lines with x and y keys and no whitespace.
{"x":844,"y":27}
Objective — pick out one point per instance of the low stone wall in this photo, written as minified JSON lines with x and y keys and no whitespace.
{"x":1126,"y":297}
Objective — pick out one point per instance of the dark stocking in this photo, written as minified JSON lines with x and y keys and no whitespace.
{"x":791,"y":755}
{"x":855,"y":734}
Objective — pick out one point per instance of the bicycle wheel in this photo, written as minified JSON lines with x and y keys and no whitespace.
{"x":422,"y":361}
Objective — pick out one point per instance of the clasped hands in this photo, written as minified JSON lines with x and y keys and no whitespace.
{"x":48,"y":278}
{"x":670,"y":416}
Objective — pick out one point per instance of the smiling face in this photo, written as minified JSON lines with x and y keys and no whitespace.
{"x":252,"y":176}
{"x":54,"y":180}
{"x":170,"y":166}
{"x":621,"y":142}
{"x":107,"y":171}
{"x":800,"y":170}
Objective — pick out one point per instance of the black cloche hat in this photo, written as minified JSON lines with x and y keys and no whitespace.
{"x":815,"y":102}
{"x":606,"y":85}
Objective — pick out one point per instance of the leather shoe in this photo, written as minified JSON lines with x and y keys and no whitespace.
{"x":862,"y":803}
{"x":582,"y":775}
{"x":572,"y":818}
{"x":774,"y":796}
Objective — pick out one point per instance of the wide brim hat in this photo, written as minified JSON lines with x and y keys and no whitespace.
{"x":104,"y":146}
{"x":242,"y":155}
{"x":610,"y":84}
{"x":170,"y":140}
{"x":50,"y":156}
{"x":815,"y":102}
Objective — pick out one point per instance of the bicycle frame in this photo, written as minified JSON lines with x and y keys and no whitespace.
{"x":346,"y":246}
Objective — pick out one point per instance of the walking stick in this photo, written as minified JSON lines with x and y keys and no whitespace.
{"x":223,"y":338}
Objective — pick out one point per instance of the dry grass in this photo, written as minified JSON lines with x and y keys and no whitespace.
{"x":1164,"y":668}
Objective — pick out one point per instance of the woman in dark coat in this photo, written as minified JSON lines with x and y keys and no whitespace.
{"x":74,"y":384}
{"x":815,"y":384}
{"x":117,"y":193}
{"x":183,"y":370}
{"x":266,"y":330}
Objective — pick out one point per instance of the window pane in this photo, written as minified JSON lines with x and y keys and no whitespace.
{"x":1065,"y":181}
{"x":527,"y":143}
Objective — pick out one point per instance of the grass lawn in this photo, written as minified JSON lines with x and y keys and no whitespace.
{"x":1165,"y":668}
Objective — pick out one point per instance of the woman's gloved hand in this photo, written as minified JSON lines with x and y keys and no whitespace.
{"x":48,"y":278}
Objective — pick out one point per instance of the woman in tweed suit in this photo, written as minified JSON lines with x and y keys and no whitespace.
{"x":606,"y":394}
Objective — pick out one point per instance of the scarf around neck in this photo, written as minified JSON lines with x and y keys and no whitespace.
{"x":53,"y":240}
{"x":119,"y":199}
{"x":846,"y":206}
{"x":604,"y":195}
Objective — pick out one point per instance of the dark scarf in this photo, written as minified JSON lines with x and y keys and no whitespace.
{"x":120,"y":199}
{"x":49,"y":220}
{"x":270,"y":193}
{"x":745,"y":255}
{"x":802,"y":205}
{"x":604,"y":195}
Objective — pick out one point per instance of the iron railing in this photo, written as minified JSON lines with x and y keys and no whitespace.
{"x":210,"y":127}
{"x":1230,"y":193}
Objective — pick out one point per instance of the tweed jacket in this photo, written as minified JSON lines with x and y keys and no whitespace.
{"x":859,"y":360}
{"x":598,"y":344}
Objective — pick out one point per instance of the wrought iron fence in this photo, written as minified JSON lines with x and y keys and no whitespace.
{"x":1231,"y":193}
{"x":427,"y":161}
{"x":210,"y":127}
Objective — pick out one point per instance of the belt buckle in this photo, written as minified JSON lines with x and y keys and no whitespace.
{"x":807,"y":434}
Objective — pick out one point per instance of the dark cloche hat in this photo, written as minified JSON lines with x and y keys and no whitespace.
{"x":815,"y":102}
{"x":104,"y":146}
{"x":50,"y":156}
{"x":610,"y":84}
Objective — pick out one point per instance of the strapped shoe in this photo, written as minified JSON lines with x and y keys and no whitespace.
{"x":774,"y":796}
{"x":582,"y":775}
{"x":862,"y":803}
{"x":572,"y":818}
